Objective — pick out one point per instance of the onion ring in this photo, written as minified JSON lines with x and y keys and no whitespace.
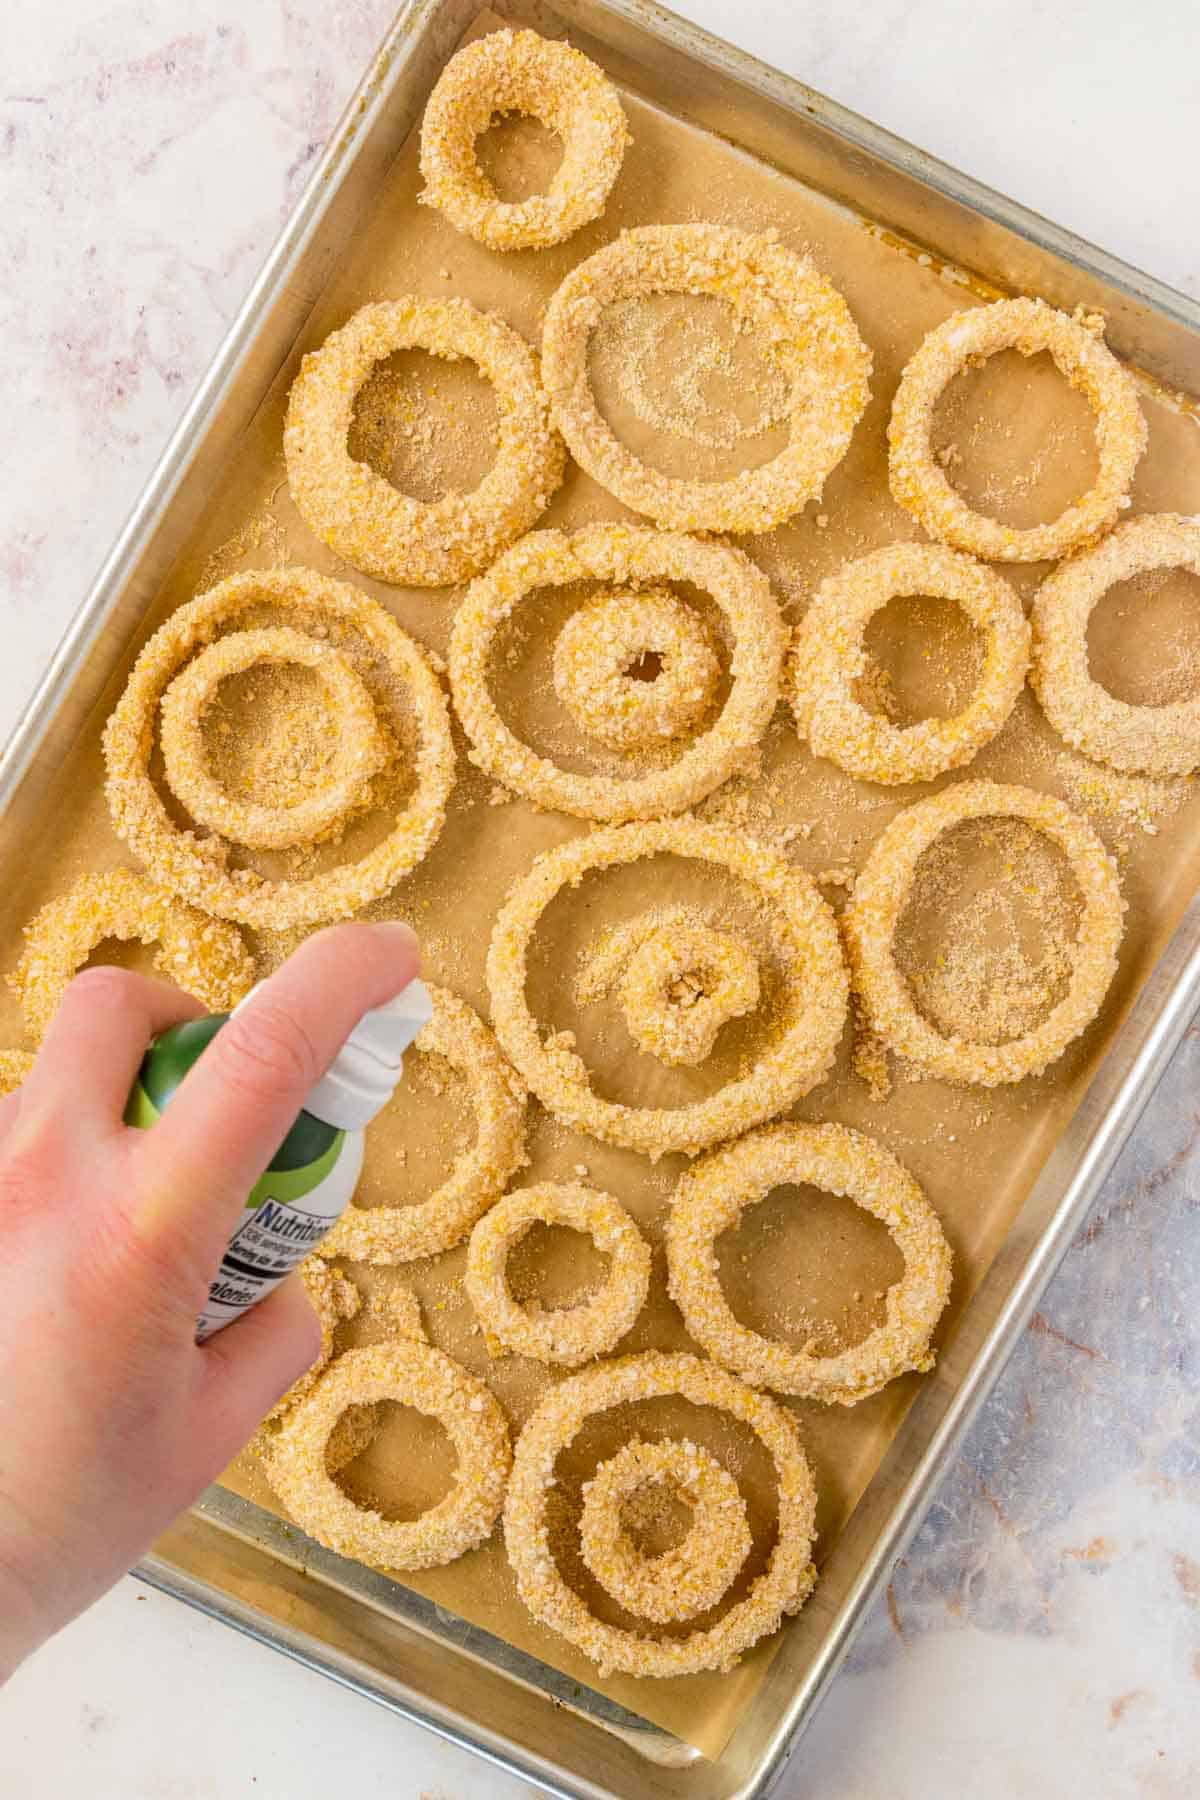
{"x":518,"y":71}
{"x":622,"y":553}
{"x":569,"y":1334}
{"x":195,"y":869}
{"x":15,"y":1065}
{"x":206,"y":957}
{"x":693,"y":1575}
{"x":829,"y":656}
{"x":811,"y":333}
{"x":413,"y":1374}
{"x":782,"y":1588}
{"x":710,"y":1199}
{"x":1081,"y":355}
{"x":813,"y":1004}
{"x":875,"y":908}
{"x":359,"y":750}
{"x":355,"y":510}
{"x":398,"y":1234}
{"x":334,"y":1299}
{"x":1153,"y":740}
{"x":682,"y":983}
{"x":601,"y":642}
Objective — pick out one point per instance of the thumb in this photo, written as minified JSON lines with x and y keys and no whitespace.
{"x":250,"y":1365}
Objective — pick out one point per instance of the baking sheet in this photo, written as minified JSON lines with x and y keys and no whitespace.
{"x":804,"y":1265}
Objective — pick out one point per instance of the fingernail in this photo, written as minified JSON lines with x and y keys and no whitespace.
{"x":396,"y":938}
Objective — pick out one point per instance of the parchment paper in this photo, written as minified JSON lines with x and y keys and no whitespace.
{"x":1019,"y":442}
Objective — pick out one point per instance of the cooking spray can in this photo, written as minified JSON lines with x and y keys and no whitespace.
{"x":312,"y":1176}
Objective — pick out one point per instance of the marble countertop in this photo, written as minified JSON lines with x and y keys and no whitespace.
{"x":1043,"y":1635}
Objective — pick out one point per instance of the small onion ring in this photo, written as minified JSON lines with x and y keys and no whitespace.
{"x":605,"y":638}
{"x":693,"y":1575}
{"x":519,"y":71}
{"x":1081,"y":355}
{"x":14,"y":1067}
{"x":782,"y":1588}
{"x":813,"y":1005}
{"x":568,"y":1334}
{"x":359,"y":749}
{"x":355,"y":510}
{"x":194,"y":869}
{"x":876,"y":906}
{"x":829,"y":656}
{"x":623,"y":553}
{"x":334,"y":1299}
{"x":1154,"y":740}
{"x":398,"y":1234}
{"x":413,"y":1374}
{"x":679,"y":1034}
{"x":206,"y":957}
{"x":811,"y":332}
{"x":711,"y":1198}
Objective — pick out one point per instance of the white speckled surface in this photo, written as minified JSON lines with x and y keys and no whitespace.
{"x":1043,"y":1637}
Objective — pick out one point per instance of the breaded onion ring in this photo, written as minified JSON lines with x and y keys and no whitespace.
{"x":622,"y":553}
{"x":710,"y":1199}
{"x":206,"y":957}
{"x":605,"y":639}
{"x":782,"y":1588}
{"x":520,"y":72}
{"x":812,"y":1003}
{"x":690,"y":1577}
{"x":14,"y":1067}
{"x":829,"y":656}
{"x":1152,"y":740}
{"x":359,"y":749}
{"x":355,"y":510}
{"x":682,"y":983}
{"x":877,"y":905}
{"x":413,"y":1374}
{"x":810,"y":333}
{"x":568,"y":1334}
{"x":196,"y":868}
{"x":398,"y":1234}
{"x":334,"y":1299}
{"x":1078,"y":348}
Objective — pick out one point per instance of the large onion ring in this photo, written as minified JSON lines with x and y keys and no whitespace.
{"x":877,"y":904}
{"x":206,"y":957}
{"x":413,"y":1374}
{"x":355,"y":510}
{"x":1154,"y":740}
{"x":359,"y":751}
{"x":829,"y":657}
{"x":813,"y":1005}
{"x":622,"y":553}
{"x":568,"y":1334}
{"x":398,"y":1234}
{"x":195,"y":869}
{"x":1081,"y":355}
{"x":811,"y":333}
{"x":782,"y":1588}
{"x":690,"y":1577}
{"x":610,"y":634}
{"x":518,"y":71}
{"x":711,"y":1198}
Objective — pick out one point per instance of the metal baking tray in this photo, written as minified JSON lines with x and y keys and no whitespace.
{"x":232,"y":1560}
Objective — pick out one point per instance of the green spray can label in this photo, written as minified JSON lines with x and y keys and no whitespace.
{"x":312,"y":1176}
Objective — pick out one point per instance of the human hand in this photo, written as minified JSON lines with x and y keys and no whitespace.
{"x":112,"y":1417}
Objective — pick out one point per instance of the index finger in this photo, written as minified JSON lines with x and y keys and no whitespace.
{"x":240,"y":1099}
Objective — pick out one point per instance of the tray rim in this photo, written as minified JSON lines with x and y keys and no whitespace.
{"x":1115,"y":1098}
